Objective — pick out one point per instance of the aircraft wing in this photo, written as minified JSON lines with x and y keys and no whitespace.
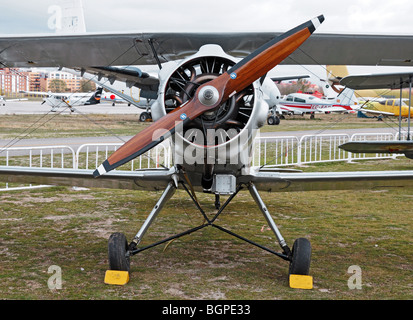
{"x":396,"y":146}
{"x":384,"y":113}
{"x":125,"y":97}
{"x":125,"y":49}
{"x":334,"y":109}
{"x":158,"y":179}
{"x":38,"y":93}
{"x":378,"y":81}
{"x":132,"y":76}
{"x":316,"y":181}
{"x":151,"y":179}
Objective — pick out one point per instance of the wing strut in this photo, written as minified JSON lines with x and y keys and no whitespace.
{"x":155,"y":54}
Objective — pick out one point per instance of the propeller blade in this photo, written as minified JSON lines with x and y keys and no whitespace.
{"x":213,"y":93}
{"x":265,"y":58}
{"x":152,"y":136}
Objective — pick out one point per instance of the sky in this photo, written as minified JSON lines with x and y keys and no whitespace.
{"x":355,"y":16}
{"x":350,"y":16}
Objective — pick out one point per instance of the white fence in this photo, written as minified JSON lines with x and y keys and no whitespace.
{"x":275,"y":151}
{"x":290,"y":150}
{"x":45,"y":156}
{"x":91,"y":155}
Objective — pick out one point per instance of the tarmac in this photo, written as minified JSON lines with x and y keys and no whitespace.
{"x":35,"y":107}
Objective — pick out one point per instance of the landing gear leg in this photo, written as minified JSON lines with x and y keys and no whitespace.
{"x":256,"y":196}
{"x":300,"y":256}
{"x":167,"y":194}
{"x":217,"y":202}
{"x":119,"y":251}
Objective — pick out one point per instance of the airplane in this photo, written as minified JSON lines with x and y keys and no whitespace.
{"x":387,"y":107}
{"x":210,"y":106}
{"x":302,"y":103}
{"x":383,"y":81}
{"x":57,"y":100}
{"x":112,"y":97}
{"x":2,"y":101}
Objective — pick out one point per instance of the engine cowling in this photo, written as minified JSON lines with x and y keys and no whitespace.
{"x":218,"y":138}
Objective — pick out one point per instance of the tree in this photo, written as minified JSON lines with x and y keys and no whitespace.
{"x":56,"y":85}
{"x":86,"y":86}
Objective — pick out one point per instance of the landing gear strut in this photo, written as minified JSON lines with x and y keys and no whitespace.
{"x":120,"y":252}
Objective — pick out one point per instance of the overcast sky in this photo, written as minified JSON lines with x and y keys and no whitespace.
{"x":349,"y":16}
{"x":361,"y":16}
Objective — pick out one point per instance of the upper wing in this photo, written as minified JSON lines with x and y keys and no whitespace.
{"x":88,"y":50}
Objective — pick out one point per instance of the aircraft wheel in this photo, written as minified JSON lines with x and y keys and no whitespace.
{"x":144,"y":116}
{"x":271,"y":120}
{"x":301,"y":257}
{"x":117,"y":249}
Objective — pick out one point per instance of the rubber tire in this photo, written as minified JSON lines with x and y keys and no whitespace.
{"x":301,"y":257}
{"x":117,"y":248}
{"x":143,"y":117}
{"x":271,"y":120}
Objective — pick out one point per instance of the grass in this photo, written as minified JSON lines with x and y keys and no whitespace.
{"x":69,"y":228}
{"x":55,"y":125}
{"x":331,"y":121}
{"x":79,"y":125}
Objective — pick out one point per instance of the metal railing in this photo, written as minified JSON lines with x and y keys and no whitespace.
{"x":44,"y":156}
{"x":91,"y":155}
{"x":276,"y":151}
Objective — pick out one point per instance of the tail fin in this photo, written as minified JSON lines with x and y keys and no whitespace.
{"x":95,"y":98}
{"x":72,"y":17}
{"x":347,"y":97}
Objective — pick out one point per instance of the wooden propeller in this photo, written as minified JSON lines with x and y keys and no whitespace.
{"x":213,"y":93}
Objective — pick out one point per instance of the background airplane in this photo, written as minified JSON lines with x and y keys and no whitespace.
{"x":57,"y":100}
{"x":388,"y":107}
{"x":380,"y":83}
{"x":301,"y":103}
{"x":111,"y":97}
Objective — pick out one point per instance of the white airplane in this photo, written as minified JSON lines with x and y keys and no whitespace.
{"x":211,"y":104}
{"x":2,"y":101}
{"x":67,"y":99}
{"x":111,"y":97}
{"x":301,"y":103}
